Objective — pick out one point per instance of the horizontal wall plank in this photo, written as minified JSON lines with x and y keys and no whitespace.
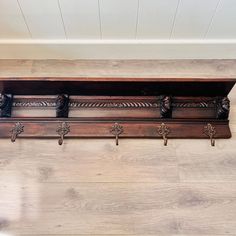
{"x":156,"y":18}
{"x":222,"y":26}
{"x":118,"y":208}
{"x":81,"y":18}
{"x":118,"y":18}
{"x":193,"y":18}
{"x":198,"y":162}
{"x":12,"y":24}
{"x":43,"y":18}
{"x":121,"y":69}
{"x":96,"y":160}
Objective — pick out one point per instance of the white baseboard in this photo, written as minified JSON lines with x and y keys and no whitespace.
{"x":117,"y":49}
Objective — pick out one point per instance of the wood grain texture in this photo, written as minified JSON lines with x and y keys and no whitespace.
{"x":93,"y":160}
{"x":122,"y":208}
{"x":140,"y":188}
{"x":119,"y":68}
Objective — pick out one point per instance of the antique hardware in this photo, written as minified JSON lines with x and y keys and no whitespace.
{"x":163,"y":131}
{"x":210,"y":131}
{"x":116,"y":130}
{"x":62,"y":130}
{"x":16,"y":130}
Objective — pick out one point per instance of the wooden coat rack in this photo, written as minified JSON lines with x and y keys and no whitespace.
{"x":114,"y":106}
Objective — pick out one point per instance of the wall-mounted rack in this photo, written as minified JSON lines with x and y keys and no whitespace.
{"x":118,"y":107}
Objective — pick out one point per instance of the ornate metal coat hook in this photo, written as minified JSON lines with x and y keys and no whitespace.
{"x":62,"y":130}
{"x":16,"y":130}
{"x":116,"y":130}
{"x":210,"y":131}
{"x":163,"y":131}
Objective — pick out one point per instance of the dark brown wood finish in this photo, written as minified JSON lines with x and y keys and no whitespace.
{"x":115,"y":107}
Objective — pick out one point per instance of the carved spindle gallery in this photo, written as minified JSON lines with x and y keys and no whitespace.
{"x":62,"y":108}
{"x":5,"y":105}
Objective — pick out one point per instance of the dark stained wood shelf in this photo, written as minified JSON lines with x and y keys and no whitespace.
{"x":110,"y":99}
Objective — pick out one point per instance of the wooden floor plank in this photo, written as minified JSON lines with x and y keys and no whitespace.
{"x":118,"y":208}
{"x":80,"y":160}
{"x":119,"y":68}
{"x":198,"y":162}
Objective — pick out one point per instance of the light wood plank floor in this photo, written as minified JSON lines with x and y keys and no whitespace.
{"x":92,"y":187}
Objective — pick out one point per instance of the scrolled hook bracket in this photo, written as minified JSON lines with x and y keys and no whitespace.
{"x":16,"y":130}
{"x":116,"y":130}
{"x":163,"y":131}
{"x":210,"y":131}
{"x":63,"y":130}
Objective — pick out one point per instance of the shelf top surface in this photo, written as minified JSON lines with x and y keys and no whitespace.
{"x":119,"y":70}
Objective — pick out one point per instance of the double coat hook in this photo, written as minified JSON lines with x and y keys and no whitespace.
{"x":116,"y":130}
{"x":16,"y":130}
{"x":163,"y":131}
{"x":210,"y":131}
{"x":62,"y":130}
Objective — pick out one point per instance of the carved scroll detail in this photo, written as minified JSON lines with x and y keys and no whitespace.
{"x":165,"y":106}
{"x":223,"y":108}
{"x":5,"y":105}
{"x":62,"y":103}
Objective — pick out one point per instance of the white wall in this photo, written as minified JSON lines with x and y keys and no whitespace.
{"x":117,"y":29}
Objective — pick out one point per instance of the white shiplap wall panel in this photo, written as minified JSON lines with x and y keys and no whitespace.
{"x":156,"y":18}
{"x":43,"y":18}
{"x":81,"y":18}
{"x":193,"y":18}
{"x":118,"y":18}
{"x":12,"y":23}
{"x":224,"y":21}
